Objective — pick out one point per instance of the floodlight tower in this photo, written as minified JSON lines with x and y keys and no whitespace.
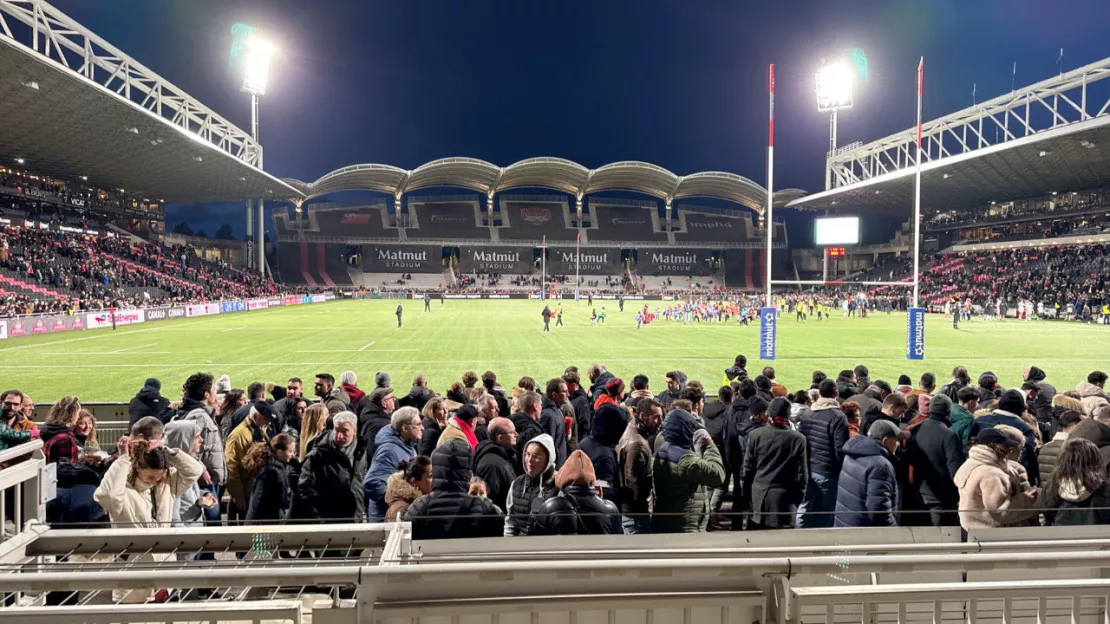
{"x":255,"y":76}
{"x":834,"y":94}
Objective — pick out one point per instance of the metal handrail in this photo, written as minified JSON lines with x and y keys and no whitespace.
{"x":20,"y":450}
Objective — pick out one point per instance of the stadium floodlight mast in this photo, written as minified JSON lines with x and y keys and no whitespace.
{"x":256,"y":75}
{"x":834,"y":94}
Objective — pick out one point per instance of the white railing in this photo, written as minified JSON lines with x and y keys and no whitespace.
{"x":270,"y":611}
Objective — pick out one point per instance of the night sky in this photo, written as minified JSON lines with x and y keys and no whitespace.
{"x":682,"y":84}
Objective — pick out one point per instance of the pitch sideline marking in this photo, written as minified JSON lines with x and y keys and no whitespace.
{"x":367,"y":345}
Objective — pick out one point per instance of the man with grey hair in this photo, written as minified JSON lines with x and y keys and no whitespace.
{"x":527,"y":419}
{"x":495,"y":460}
{"x":393,"y":444}
{"x":330,"y":487}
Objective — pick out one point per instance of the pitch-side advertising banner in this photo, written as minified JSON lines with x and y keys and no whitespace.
{"x":495,"y":260}
{"x":274,"y":303}
{"x":258,"y":304}
{"x":402,"y":258}
{"x":293,"y":300}
{"x":96,"y":320}
{"x":590,"y":261}
{"x":3,"y":330}
{"x":317,"y":299}
{"x":915,"y":334}
{"x":202,"y":309}
{"x":233,"y":306}
{"x":768,"y":332}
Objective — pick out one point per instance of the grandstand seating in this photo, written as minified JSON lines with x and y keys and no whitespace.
{"x":314,"y":264}
{"x":527,"y":219}
{"x":408,"y":281}
{"x":445,"y":219}
{"x":633,"y":221}
{"x":333,"y":221}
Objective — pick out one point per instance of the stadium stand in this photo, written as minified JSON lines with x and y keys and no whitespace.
{"x":314,"y":264}
{"x":697,"y":224}
{"x":436,"y":218}
{"x":532,"y":218}
{"x":624,"y":220}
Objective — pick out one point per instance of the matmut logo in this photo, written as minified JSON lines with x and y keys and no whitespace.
{"x":674,"y":258}
{"x":495,"y":256}
{"x":585,"y":258}
{"x":398,"y":255}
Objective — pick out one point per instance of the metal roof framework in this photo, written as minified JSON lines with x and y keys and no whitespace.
{"x":74,"y":105}
{"x":557,"y":174}
{"x":1050,"y":136}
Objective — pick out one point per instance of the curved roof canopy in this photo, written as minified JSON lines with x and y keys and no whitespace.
{"x":556,"y":174}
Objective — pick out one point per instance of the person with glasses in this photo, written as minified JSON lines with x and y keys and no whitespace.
{"x":12,"y":428}
{"x":392,"y":445}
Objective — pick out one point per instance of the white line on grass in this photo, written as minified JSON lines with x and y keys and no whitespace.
{"x":125,"y":350}
{"x":367,"y":345}
{"x":102,"y":353}
{"x":55,"y":342}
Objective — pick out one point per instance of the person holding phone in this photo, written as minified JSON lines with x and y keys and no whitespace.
{"x":991,"y":494}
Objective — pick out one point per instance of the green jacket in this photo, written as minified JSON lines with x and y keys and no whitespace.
{"x":10,"y":437}
{"x":682,"y":491}
{"x":961,"y":420}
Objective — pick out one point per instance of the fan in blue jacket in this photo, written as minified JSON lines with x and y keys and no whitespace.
{"x":867,"y":492}
{"x":393,"y":444}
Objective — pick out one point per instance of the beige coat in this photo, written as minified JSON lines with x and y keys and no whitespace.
{"x":990,"y":493}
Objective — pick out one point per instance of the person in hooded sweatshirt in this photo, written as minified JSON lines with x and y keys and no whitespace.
{"x":576,"y":509}
{"x":825,"y":428}
{"x":1010,"y":407}
{"x":449,"y":512}
{"x":186,"y":436}
{"x":148,"y":402}
{"x":1092,"y":393}
{"x":610,"y":422}
{"x":757,"y":417}
{"x":529,"y":491}
{"x":1077,"y":492}
{"x":934,"y":454}
{"x":775,"y":470}
{"x":495,"y":460}
{"x":867,"y":493}
{"x":394,"y":444}
{"x":687,"y":467}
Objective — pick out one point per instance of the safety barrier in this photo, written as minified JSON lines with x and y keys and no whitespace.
{"x":270,"y":611}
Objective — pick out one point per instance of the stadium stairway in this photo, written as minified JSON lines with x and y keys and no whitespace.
{"x":135,"y":266}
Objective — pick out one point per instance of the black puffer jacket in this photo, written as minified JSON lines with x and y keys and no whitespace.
{"x":527,"y":494}
{"x":330,"y":486}
{"x":716,"y":415}
{"x":610,"y":421}
{"x":449,"y":512}
{"x":577,"y":510}
{"x":826,"y":430}
{"x":551,"y":421}
{"x":148,"y":403}
{"x":934,"y":453}
{"x":497,"y":466}
{"x":270,"y":494}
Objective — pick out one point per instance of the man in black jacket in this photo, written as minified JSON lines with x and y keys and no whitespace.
{"x":825,"y":428}
{"x":676,"y":381}
{"x":330,"y":486}
{"x":934,"y":453}
{"x":375,"y":411}
{"x":737,"y":370}
{"x":496,"y":461}
{"x":527,"y":421}
{"x":449,"y":512}
{"x":599,"y":376}
{"x":583,"y":406}
{"x":871,"y":402}
{"x":148,"y":402}
{"x":551,"y":418}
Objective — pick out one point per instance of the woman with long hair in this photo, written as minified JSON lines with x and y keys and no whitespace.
{"x":233,"y":400}
{"x":991,"y":495}
{"x":313,"y":424}
{"x":270,"y":493}
{"x":59,"y":443}
{"x":78,"y":477}
{"x":85,"y":431}
{"x":293,"y":418}
{"x":851,"y":410}
{"x":1077,"y":492}
{"x":434,"y":418}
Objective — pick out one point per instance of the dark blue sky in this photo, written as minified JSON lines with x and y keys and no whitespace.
{"x":681,"y":84}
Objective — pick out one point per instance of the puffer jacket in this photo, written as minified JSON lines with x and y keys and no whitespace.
{"x":271,"y":495}
{"x":867,"y":492}
{"x":610,"y":422}
{"x":577,"y":510}
{"x":10,"y":437}
{"x":990,"y":495}
{"x":497,"y":466}
{"x":934,"y":454}
{"x":825,"y":428}
{"x":212,"y":448}
{"x":527,"y":493}
{"x":399,"y":494}
{"x":1071,"y":504}
{"x":1049,"y":454}
{"x":716,"y":415}
{"x":449,"y":512}
{"x":389,"y":450}
{"x":551,"y":421}
{"x":1091,"y":396}
{"x":330,"y":486}
{"x":683,"y":477}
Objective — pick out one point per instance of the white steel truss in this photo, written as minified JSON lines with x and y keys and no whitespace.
{"x":38,"y":27}
{"x":1058,"y":101}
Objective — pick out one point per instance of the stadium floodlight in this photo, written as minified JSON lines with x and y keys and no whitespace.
{"x":19,"y":161}
{"x":834,"y":87}
{"x":256,"y":70}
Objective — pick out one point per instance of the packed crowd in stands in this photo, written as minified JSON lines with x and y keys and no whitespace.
{"x":1049,"y":207}
{"x":588,"y":454}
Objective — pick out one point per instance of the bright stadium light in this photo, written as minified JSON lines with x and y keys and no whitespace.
{"x":256,"y":69}
{"x":834,"y":87}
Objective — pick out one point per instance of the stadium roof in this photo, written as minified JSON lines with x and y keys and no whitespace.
{"x":552,"y":173}
{"x":1052,"y":136}
{"x":74,"y":105}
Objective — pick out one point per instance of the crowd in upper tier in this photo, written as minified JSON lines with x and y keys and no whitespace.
{"x":589,"y":454}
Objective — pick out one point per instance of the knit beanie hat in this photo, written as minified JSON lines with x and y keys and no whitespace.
{"x":940,"y":407}
{"x":1012,"y":401}
{"x":578,"y":470}
{"x":382,"y":380}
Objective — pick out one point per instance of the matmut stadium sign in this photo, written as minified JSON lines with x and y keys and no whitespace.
{"x":589,"y":261}
{"x":655,"y":261}
{"x":495,"y":260}
{"x":402,"y":258}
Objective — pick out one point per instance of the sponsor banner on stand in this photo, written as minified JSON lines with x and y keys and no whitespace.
{"x":293,"y":300}
{"x":17,"y":329}
{"x":590,"y":261}
{"x":258,"y":304}
{"x":58,"y":323}
{"x":402,"y":258}
{"x":274,"y":303}
{"x":318,"y":299}
{"x":3,"y":330}
{"x":329,"y":296}
{"x":232,"y":306}
{"x":305,"y":299}
{"x":97,"y":320}
{"x":495,"y":260}
{"x":673,"y":261}
{"x":177,"y":312}
{"x":202,"y":309}
{"x":157,"y":314}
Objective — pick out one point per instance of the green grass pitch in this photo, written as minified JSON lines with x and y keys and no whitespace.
{"x":506,"y":337}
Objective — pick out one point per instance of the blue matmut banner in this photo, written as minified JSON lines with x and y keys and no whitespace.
{"x":915,"y":334}
{"x":768,"y":333}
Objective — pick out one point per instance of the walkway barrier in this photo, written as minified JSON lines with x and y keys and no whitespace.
{"x":269,"y":611}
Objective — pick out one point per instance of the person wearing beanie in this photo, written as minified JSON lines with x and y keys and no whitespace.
{"x":774,"y":470}
{"x":375,"y":413}
{"x":990,"y":494}
{"x":148,"y":402}
{"x":1011,"y":405}
{"x":610,"y":421}
{"x":867,"y":493}
{"x":461,"y":427}
{"x":825,"y":428}
{"x":223,"y":386}
{"x":449,"y":512}
{"x":934,"y":454}
{"x":529,"y":491}
{"x":576,"y":509}
{"x":614,"y":393}
{"x":687,"y":465}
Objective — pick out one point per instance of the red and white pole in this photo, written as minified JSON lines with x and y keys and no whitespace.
{"x":768,"y":223}
{"x":917,"y":189}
